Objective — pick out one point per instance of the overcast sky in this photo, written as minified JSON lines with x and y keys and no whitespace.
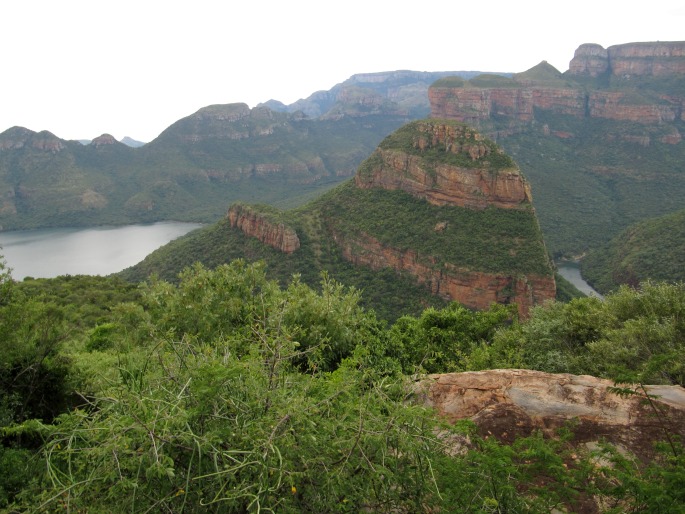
{"x":81,"y":68}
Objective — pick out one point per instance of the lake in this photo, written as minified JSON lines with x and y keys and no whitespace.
{"x":47,"y":253}
{"x":571,"y":271}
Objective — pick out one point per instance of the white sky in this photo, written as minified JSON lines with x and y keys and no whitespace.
{"x":81,"y":68}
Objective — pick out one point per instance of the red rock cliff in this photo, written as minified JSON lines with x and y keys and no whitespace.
{"x":257,"y":225}
{"x":472,"y":288}
{"x":450,"y":165}
{"x":444,"y":183}
{"x":545,"y":89}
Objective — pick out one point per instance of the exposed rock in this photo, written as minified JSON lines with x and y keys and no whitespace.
{"x":539,"y":89}
{"x":511,"y":403}
{"x":20,"y":137}
{"x":258,"y":225}
{"x":103,"y":140}
{"x":589,"y":59}
{"x":472,"y":288}
{"x":442,"y":183}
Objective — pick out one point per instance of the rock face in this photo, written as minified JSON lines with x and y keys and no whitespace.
{"x":450,"y":165}
{"x":472,"y":288}
{"x":544,"y":89}
{"x":257,"y":225}
{"x":444,"y":183}
{"x":629,"y":60}
{"x":510,"y":403}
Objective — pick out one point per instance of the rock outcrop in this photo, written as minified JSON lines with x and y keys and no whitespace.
{"x":542,"y":88}
{"x":258,"y":225}
{"x":654,"y":59}
{"x":451,"y":165}
{"x":476,"y":183}
{"x":509,"y":403}
{"x":472,"y":288}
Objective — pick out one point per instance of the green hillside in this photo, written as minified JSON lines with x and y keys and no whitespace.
{"x":189,"y":173}
{"x":492,"y":240}
{"x":650,"y":250}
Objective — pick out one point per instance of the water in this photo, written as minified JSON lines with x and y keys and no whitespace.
{"x":47,"y":253}
{"x":571,"y":271}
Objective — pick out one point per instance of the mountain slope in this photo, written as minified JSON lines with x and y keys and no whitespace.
{"x":650,"y":250}
{"x":436,"y":210}
{"x":601,"y":144}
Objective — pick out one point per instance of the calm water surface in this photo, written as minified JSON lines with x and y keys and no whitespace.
{"x":571,"y":272}
{"x":48,"y":253}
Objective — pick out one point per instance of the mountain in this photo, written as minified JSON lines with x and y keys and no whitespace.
{"x":221,"y":153}
{"x":600,"y":143}
{"x":437,"y":210}
{"x":131,"y":142}
{"x":653,"y":249}
{"x":190,"y":172}
{"x":404,"y":91}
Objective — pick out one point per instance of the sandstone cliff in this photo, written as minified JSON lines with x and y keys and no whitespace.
{"x":469,"y":174}
{"x":260,"y":226}
{"x":456,"y":169}
{"x":473,"y":288}
{"x":543,"y":88}
{"x":510,"y":403}
{"x":629,"y":60}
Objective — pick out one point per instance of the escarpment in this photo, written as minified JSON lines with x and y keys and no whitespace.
{"x":258,"y":225}
{"x":447,"y":164}
{"x":614,"y":91}
{"x":467,"y":231}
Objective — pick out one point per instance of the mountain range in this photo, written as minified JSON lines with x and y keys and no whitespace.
{"x":600,"y":144}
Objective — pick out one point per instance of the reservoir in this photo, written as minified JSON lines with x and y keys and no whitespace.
{"x":47,"y":253}
{"x":571,"y":271}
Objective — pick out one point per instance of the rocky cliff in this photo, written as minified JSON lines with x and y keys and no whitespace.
{"x":472,"y":288}
{"x":543,"y":88}
{"x":510,"y":403}
{"x":260,"y":226}
{"x":630,"y":60}
{"x":469,"y":175}
{"x":456,"y":169}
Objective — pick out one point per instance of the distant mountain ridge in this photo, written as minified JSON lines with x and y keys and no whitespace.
{"x":201,"y":163}
{"x":404,"y":91}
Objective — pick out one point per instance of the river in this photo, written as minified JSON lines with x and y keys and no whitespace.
{"x":47,"y":253}
{"x":571,"y":271}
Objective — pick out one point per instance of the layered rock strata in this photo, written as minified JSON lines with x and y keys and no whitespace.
{"x":441,"y":182}
{"x":258,"y":225}
{"x":472,"y":288}
{"x":543,"y":88}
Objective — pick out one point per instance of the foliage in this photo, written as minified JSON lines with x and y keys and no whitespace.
{"x":638,"y":334}
{"x":650,"y":250}
{"x":227,"y":392}
{"x":441,"y":340}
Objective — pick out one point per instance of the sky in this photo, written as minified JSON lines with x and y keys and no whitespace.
{"x":80,"y":68}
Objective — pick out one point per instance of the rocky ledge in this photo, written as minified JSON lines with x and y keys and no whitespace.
{"x":258,"y":225}
{"x":509,"y":403}
{"x":446,"y":163}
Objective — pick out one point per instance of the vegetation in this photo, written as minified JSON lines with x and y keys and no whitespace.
{"x":653,"y":249}
{"x":230,"y":393}
{"x":493,"y":240}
